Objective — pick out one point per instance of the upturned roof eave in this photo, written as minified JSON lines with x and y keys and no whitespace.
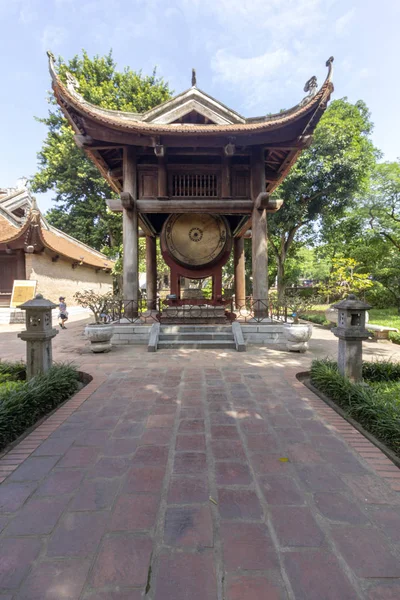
{"x":129,"y":122}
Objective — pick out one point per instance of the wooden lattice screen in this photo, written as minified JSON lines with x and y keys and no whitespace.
{"x":195,"y":185}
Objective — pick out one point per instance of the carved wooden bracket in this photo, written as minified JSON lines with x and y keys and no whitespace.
{"x":265,"y":202}
{"x":127,"y":200}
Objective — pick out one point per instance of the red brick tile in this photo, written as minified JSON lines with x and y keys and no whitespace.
{"x":222,"y":418}
{"x":191,"y":442}
{"x":270,"y":463}
{"x":134,"y":512}
{"x":315,"y":575}
{"x":34,"y":468}
{"x":371,"y":489}
{"x":247,"y":546}
{"x":47,"y":578}
{"x":244,"y":587}
{"x":187,"y":526}
{"x":228,"y":449}
{"x":232,"y":473}
{"x":226,"y":432}
{"x":79,"y":457}
{"x":16,"y":558}
{"x":320,"y":478}
{"x":337,"y":507}
{"x":54,"y":446}
{"x":116,"y":594}
{"x":295,"y":526}
{"x":61,"y":482}
{"x":95,"y":494}
{"x":166,"y":420}
{"x":190,"y":463}
{"x":191,"y":426}
{"x":92,"y":438}
{"x":142,"y":479}
{"x":156,"y":437}
{"x":77,"y":535}
{"x":281,"y":490}
{"x":238,"y":504}
{"x":122,"y":561}
{"x":120,"y":446}
{"x":376,"y":558}
{"x":13,"y":495}
{"x":38,"y":517}
{"x":110,"y":467}
{"x":151,"y":456}
{"x":384,"y":591}
{"x":187,"y":490}
{"x":184,"y":576}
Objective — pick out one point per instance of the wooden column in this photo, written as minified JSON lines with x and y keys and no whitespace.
{"x":162,"y":177}
{"x":239,"y":274}
{"x":226,"y":177}
{"x":259,"y":236}
{"x":151,"y":272}
{"x":130,"y":232}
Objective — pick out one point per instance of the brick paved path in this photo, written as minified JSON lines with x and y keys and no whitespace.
{"x":115,"y":503}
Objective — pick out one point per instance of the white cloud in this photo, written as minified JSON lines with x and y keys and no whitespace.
{"x":343,"y":22}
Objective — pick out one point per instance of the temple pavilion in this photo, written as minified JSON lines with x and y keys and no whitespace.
{"x":196,"y":174}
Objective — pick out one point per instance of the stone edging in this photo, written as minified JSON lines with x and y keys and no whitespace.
{"x":20,"y":452}
{"x":375,"y":453}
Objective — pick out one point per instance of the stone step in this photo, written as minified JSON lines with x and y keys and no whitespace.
{"x":196,"y":328}
{"x":196,"y":335}
{"x":199,"y":345}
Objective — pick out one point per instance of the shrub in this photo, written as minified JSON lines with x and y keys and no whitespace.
{"x":22,"y":406}
{"x":319,"y":319}
{"x":12,"y":370}
{"x":378,"y":296}
{"x":378,"y":413}
{"x":394,"y":337}
{"x":381,"y":370}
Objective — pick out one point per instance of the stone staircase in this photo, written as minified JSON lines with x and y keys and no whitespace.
{"x":216,"y":337}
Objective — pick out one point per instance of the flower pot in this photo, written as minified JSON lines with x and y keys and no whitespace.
{"x":99,"y":335}
{"x":297,"y":336}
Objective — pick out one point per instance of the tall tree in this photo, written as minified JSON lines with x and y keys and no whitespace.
{"x":325,"y":179}
{"x":80,"y":191}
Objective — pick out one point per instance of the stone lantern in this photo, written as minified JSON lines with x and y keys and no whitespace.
{"x":351,"y":332}
{"x":38,"y":335}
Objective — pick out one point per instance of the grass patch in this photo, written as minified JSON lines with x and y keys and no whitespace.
{"x":375,"y":406}
{"x":22,"y":403}
{"x":387,"y":317}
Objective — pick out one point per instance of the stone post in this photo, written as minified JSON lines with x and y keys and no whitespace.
{"x":351,"y":332}
{"x":240,"y":275}
{"x":38,"y":335}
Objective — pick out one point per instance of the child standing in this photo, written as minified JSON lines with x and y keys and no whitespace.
{"x":63,"y":315}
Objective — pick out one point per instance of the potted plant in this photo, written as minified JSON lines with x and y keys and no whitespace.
{"x":100,"y":332}
{"x":297,"y":334}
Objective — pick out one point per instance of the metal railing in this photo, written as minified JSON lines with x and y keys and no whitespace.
{"x":147,"y":311}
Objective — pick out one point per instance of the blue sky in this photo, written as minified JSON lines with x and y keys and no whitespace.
{"x":253,"y":55}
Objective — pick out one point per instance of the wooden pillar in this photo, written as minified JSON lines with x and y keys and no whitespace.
{"x":226,"y":177}
{"x":162,"y":177}
{"x":259,"y":236}
{"x":130,"y":232}
{"x":239,"y":273}
{"x":151,"y":272}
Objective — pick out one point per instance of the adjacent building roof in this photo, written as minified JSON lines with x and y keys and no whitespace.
{"x":36,"y":233}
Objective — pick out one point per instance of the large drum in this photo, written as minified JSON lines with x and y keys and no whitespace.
{"x":197,"y":241}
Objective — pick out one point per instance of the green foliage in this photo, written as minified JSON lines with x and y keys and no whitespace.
{"x":372,"y":406}
{"x":345,"y":279}
{"x":313,"y":318}
{"x":23,"y":405}
{"x":80,"y":190}
{"x":394,"y":337}
{"x":381,"y":370}
{"x":325,"y":179}
{"x":379,"y":296}
{"x":13,"y":370}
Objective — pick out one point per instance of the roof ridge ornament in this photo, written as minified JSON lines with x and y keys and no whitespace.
{"x":194,"y":78}
{"x":72,"y":83}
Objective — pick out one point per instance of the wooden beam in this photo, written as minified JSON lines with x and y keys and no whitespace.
{"x":259,"y":234}
{"x":162,"y":177}
{"x":130,"y":232}
{"x":151,"y":272}
{"x":226,"y":181}
{"x":191,"y":205}
{"x":239,"y":275}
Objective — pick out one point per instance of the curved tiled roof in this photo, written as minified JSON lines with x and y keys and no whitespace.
{"x":133,"y":123}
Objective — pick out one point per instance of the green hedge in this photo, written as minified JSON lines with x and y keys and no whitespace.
{"x":394,"y":337}
{"x":319,"y":319}
{"x":21,"y":407}
{"x":378,"y":413}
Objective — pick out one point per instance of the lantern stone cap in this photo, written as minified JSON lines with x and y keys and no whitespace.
{"x":38,"y":303}
{"x":352,"y":303}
